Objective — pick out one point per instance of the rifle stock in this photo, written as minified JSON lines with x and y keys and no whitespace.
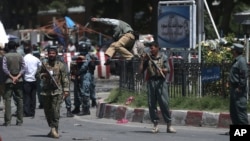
{"x":56,"y":86}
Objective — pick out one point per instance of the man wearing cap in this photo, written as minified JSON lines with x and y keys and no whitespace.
{"x":156,"y":64}
{"x":238,"y":86}
{"x":53,"y":96}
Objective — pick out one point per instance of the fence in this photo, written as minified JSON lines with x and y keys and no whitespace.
{"x":187,"y":79}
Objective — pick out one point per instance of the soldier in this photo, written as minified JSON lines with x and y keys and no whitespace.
{"x":55,"y":88}
{"x":157,"y":66}
{"x":238,"y":87}
{"x":13,"y":67}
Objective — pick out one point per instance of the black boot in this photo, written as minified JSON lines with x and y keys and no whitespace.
{"x":85,"y":111}
{"x":76,"y":110}
{"x":69,"y":114}
{"x":93,"y":104}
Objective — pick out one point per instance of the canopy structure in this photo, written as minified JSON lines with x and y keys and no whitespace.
{"x":3,"y":36}
{"x":65,"y":27}
{"x":242,"y":17}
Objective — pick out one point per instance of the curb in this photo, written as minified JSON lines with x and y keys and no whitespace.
{"x":179,"y":117}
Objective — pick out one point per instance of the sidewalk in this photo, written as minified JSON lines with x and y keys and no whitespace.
{"x":179,"y":117}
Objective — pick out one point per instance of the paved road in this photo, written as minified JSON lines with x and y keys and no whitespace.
{"x":91,"y":128}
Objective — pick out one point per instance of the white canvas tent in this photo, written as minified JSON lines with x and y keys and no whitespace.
{"x":3,"y":36}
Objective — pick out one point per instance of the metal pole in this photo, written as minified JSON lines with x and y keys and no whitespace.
{"x":200,"y":32}
{"x":211,"y":18}
{"x":247,"y":59}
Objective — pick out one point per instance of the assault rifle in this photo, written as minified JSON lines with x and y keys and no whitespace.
{"x":54,"y":83}
{"x":159,"y":69}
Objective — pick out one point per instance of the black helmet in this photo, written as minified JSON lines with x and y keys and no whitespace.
{"x":50,"y":48}
{"x":83,"y":47}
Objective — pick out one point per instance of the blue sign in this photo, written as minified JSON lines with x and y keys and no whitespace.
{"x":174,"y":26}
{"x":210,"y":74}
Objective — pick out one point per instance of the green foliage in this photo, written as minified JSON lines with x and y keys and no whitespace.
{"x":214,"y":52}
{"x":207,"y":103}
{"x":118,"y":96}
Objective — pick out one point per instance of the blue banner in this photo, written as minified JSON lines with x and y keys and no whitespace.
{"x":59,"y":34}
{"x":174,"y":26}
{"x":210,"y":74}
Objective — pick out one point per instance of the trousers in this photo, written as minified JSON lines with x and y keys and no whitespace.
{"x":11,"y":89}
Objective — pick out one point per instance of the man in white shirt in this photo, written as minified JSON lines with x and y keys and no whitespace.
{"x":71,"y":47}
{"x":32,"y":64}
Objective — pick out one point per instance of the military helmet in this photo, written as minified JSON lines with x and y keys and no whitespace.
{"x":84,"y":47}
{"x":52,"y":48}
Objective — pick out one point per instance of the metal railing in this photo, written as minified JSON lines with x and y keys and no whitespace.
{"x":186,"y":80}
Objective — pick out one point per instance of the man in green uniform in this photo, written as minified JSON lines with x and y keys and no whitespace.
{"x":156,"y":64}
{"x":53,"y":91}
{"x":238,"y":87}
{"x":13,"y":67}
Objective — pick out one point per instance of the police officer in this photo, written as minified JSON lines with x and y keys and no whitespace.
{"x":238,"y":86}
{"x":92,"y":67}
{"x":85,"y":77}
{"x":13,"y":67}
{"x":53,"y":95}
{"x":157,"y":66}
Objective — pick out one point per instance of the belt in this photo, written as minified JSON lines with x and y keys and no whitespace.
{"x":156,"y":78}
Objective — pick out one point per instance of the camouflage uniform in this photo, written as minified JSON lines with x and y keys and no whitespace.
{"x":53,"y":97}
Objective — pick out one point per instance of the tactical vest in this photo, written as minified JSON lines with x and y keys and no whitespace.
{"x":14,"y":64}
{"x":55,"y":72}
{"x":2,"y":74}
{"x":152,"y":70}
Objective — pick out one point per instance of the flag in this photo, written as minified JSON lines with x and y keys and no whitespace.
{"x":69,"y":22}
{"x":59,"y":34}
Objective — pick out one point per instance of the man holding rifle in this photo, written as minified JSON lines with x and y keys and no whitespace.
{"x":55,"y":88}
{"x":157,"y":67}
